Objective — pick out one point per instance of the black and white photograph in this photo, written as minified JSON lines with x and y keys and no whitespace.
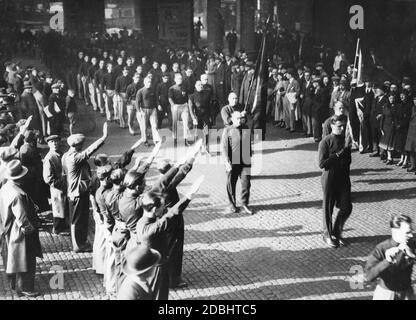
{"x":207,"y":150}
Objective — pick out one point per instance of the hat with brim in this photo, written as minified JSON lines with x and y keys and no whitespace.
{"x":319,"y":65}
{"x":8,"y":154}
{"x":104,"y":171}
{"x":140,"y":259}
{"x":15,"y":170}
{"x":54,"y":137}
{"x":75,"y":139}
{"x":316,"y":79}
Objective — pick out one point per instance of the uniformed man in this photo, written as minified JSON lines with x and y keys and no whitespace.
{"x":178,"y":99}
{"x":236,"y":153}
{"x":53,"y":176}
{"x":147,"y":111}
{"x":199,"y":108}
{"x":120,"y":100}
{"x":78,"y":175}
{"x":335,"y":160}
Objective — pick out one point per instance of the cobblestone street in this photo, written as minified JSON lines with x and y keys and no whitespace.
{"x":278,"y":253}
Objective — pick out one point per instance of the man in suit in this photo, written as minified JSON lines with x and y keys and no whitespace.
{"x":379,"y":103}
{"x":236,"y":153}
{"x":306,"y":96}
{"x":364,"y":117}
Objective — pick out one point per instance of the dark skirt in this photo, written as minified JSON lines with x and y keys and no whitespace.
{"x":387,"y":140}
{"x":400,"y":138}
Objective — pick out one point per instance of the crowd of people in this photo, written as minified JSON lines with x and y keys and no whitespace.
{"x":139,"y":229}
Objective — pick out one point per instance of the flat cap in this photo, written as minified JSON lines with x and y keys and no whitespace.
{"x":75,"y":139}
{"x":52,"y":138}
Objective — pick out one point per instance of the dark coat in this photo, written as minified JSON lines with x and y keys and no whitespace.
{"x":377,"y":109}
{"x":402,"y":119}
{"x":411,"y":133}
{"x":17,"y":214}
{"x":29,"y":107}
{"x":388,"y":126}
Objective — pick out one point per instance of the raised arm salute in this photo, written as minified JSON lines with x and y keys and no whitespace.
{"x":78,"y":175}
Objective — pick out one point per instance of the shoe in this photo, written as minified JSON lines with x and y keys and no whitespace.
{"x":230,"y":210}
{"x":411,"y":170}
{"x":389,"y":162}
{"x":246,"y":210}
{"x":188,"y":143}
{"x":28,"y":294}
{"x":330,"y":242}
{"x":399,"y":164}
{"x":405,"y":166}
{"x":383,"y":157}
{"x":179,"y":285}
{"x":375,"y":155}
{"x":342,"y":242}
{"x":317,"y":140}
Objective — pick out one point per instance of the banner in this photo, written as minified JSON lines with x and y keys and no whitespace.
{"x":176,"y":22}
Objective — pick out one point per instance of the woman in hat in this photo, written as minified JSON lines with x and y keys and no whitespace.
{"x":387,"y":128}
{"x":19,"y":230}
{"x":282,"y":103}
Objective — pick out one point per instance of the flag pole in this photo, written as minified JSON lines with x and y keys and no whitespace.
{"x":356,"y":54}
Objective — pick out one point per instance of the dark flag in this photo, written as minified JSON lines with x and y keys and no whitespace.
{"x":261,"y":77}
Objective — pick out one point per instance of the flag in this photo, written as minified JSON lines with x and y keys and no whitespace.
{"x":261,"y":77}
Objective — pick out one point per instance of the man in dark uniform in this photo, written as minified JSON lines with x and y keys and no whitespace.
{"x":131,"y":94}
{"x":335,"y":160}
{"x":120,"y":101}
{"x":147,"y":111}
{"x":227,"y":111}
{"x":237,"y":152}
{"x":178,"y":99}
{"x":306,"y":97}
{"x":199,"y":108}
{"x":162,"y":97}
{"x":108,"y":85}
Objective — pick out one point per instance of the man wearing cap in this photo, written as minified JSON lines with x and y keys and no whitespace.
{"x":29,"y":107}
{"x":54,"y":112}
{"x":32,"y":160}
{"x":78,"y":175}
{"x":380,"y":102}
{"x":19,"y":233}
{"x":120,"y":101}
{"x":53,"y":176}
